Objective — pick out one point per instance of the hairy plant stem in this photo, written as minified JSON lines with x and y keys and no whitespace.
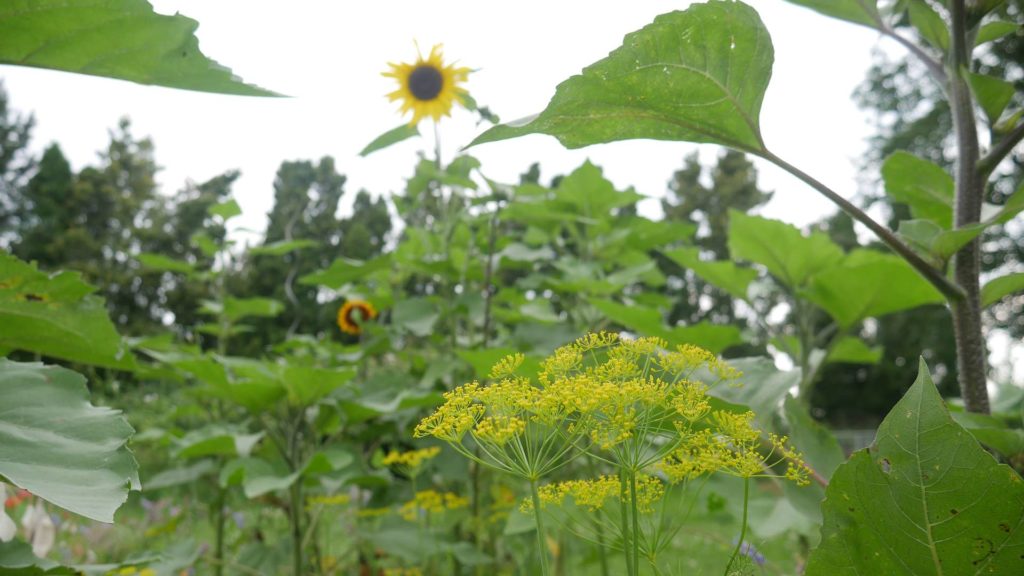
{"x":538,"y":515}
{"x":970,"y":188}
{"x":950,"y":290}
{"x":743,"y":527}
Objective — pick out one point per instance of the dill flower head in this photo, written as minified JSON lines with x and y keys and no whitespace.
{"x":431,"y":502}
{"x":428,"y":86}
{"x":410,"y":462}
{"x":593,"y":494}
{"x":353,"y":313}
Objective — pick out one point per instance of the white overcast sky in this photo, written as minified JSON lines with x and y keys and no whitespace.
{"x":328,"y":55}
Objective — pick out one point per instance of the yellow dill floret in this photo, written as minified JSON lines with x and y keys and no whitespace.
{"x":595,"y":340}
{"x":797,"y":469}
{"x":431,"y":502}
{"x":699,"y":454}
{"x":592,"y":494}
{"x":373,"y":512}
{"x":507,"y":366}
{"x":499,"y":430}
{"x":617,"y":369}
{"x":639,"y":349}
{"x":328,"y":500}
{"x":737,"y":427}
{"x":455,"y":417}
{"x":691,"y":400}
{"x":509,"y":396}
{"x":561,"y":363}
{"x":412,"y":459}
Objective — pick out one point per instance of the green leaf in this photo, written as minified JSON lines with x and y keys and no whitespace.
{"x":993,"y":94}
{"x":929,"y":24}
{"x":863,"y":12}
{"x":393,"y":136}
{"x":17,"y":559}
{"x":215,"y":440}
{"x":181,"y":476}
{"x":122,"y":39}
{"x":725,"y":274}
{"x":925,"y":498}
{"x":789,"y":255}
{"x":161,"y":263}
{"x":698,"y":75}
{"x":344,"y":271}
{"x":853,"y":350}
{"x":852,"y":293}
{"x":417,"y":315}
{"x":281,"y":248}
{"x":923,"y":186}
{"x":994,"y":31}
{"x":306,"y":384}
{"x":994,"y":290}
{"x":227,"y":209}
{"x":55,"y":315}
{"x":519,"y":252}
{"x":58,"y":446}
{"x":234,"y":309}
{"x":943,"y":244}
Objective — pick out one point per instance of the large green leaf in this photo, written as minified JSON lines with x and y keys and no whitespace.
{"x":929,"y":24}
{"x":724,"y":274}
{"x":853,"y":350}
{"x":923,"y":186}
{"x":698,"y":75}
{"x":863,"y":12}
{"x":58,"y":446}
{"x":345,"y":270}
{"x":852,"y":293}
{"x":122,"y":39}
{"x":417,"y":315}
{"x":234,"y":309}
{"x":56,"y":315}
{"x":994,"y":290}
{"x":993,"y":94}
{"x":925,"y":498}
{"x":820,"y":448}
{"x":393,"y":136}
{"x":789,"y":255}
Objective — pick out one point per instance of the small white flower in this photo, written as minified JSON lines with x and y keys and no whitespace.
{"x":39,"y":529}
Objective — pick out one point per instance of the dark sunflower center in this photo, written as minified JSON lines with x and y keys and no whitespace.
{"x":425,"y":82}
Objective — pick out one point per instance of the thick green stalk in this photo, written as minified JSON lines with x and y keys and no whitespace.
{"x":627,"y":547}
{"x":970,"y":188}
{"x":635,"y":512}
{"x":542,"y":540}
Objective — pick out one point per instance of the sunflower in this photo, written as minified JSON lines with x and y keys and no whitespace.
{"x":349,"y":322}
{"x":428,"y":87}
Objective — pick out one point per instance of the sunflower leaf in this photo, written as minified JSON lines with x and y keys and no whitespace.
{"x":393,"y":136}
{"x":698,"y":75}
{"x":57,"y":445}
{"x":924,"y":498}
{"x":122,"y":39}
